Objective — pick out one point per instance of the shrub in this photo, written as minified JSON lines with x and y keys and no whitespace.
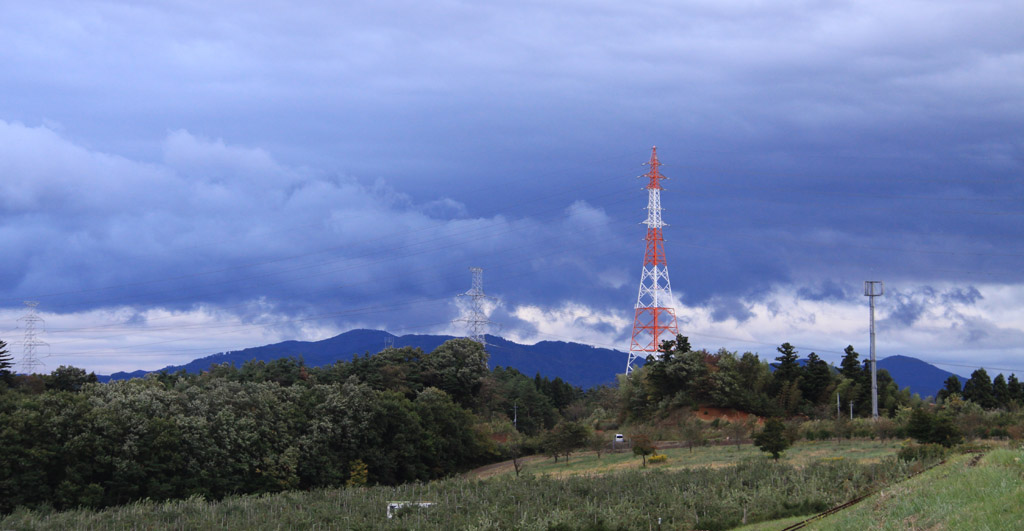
{"x":928,"y":428}
{"x":922,"y":452}
{"x":884,"y":428}
{"x":658,"y":458}
{"x":862,"y":428}
{"x":998,"y":433}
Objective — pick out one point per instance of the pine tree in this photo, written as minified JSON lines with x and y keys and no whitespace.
{"x":788,"y":368}
{"x":850,"y":364}
{"x":1000,"y":391}
{"x":6,"y":364}
{"x":978,"y":389}
{"x":772,"y":439}
{"x":817,"y":378}
{"x":1015,"y":388}
{"x":789,"y":397}
{"x":952,"y":387}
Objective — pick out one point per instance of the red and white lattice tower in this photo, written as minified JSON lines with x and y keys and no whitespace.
{"x":655,"y":318}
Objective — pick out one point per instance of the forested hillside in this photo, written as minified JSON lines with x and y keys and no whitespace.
{"x":398,"y":416}
{"x":578,"y":364}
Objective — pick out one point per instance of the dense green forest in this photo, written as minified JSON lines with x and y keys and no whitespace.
{"x":683,"y":377}
{"x":403,"y":415}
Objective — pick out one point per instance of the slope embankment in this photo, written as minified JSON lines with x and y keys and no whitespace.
{"x":968,"y":492}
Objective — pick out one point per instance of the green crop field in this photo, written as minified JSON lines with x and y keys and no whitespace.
{"x":802,"y":453}
{"x":710,"y":488}
{"x":725,"y":488}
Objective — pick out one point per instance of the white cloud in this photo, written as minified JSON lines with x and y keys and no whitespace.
{"x":571,"y":321}
{"x":126,"y":338}
{"x":989,"y":331}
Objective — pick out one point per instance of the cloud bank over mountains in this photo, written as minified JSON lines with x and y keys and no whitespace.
{"x":183,"y":178}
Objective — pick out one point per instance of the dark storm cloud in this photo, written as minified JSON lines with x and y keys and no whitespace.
{"x":329,"y":156}
{"x":723,"y":309}
{"x":825,"y":290}
{"x":221,"y":224}
{"x":907,"y":309}
{"x":968,"y":295}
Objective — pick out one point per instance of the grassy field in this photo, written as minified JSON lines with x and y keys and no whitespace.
{"x":587,"y":463}
{"x":962,"y":494}
{"x":968,"y":492}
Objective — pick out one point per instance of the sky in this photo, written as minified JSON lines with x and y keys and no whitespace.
{"x":182,"y":178}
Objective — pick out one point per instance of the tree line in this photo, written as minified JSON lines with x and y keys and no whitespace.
{"x":401,"y":415}
{"x":684,"y":377}
{"x":987,"y":392}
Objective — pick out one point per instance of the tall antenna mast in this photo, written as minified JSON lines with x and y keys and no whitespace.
{"x":654,"y":316}
{"x":476,"y":318}
{"x":29,"y":360}
{"x":872,"y":289}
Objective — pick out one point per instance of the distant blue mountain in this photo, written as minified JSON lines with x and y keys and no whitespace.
{"x":578,"y":364}
{"x":922,"y":377}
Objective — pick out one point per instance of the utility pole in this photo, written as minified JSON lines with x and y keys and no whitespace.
{"x":872,"y":289}
{"x":654,"y":315}
{"x":851,"y":409}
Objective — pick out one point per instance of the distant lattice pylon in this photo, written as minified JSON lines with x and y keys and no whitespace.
{"x":475,"y":317}
{"x":29,"y":362}
{"x":654,"y":319}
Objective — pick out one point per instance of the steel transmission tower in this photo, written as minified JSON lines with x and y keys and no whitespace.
{"x":476,"y":318}
{"x":29,"y":360}
{"x":654,"y":316}
{"x":872,"y":289}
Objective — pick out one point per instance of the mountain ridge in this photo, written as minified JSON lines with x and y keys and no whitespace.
{"x":576,"y":363}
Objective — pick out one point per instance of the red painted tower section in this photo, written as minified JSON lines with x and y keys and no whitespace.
{"x":654,"y":320}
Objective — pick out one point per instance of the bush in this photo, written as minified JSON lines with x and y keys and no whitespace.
{"x":659,"y":458}
{"x":862,"y":428}
{"x":884,"y":428}
{"x":922,"y":452}
{"x":928,"y":428}
{"x":999,"y":433}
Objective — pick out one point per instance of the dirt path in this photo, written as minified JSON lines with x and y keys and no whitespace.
{"x":494,"y":469}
